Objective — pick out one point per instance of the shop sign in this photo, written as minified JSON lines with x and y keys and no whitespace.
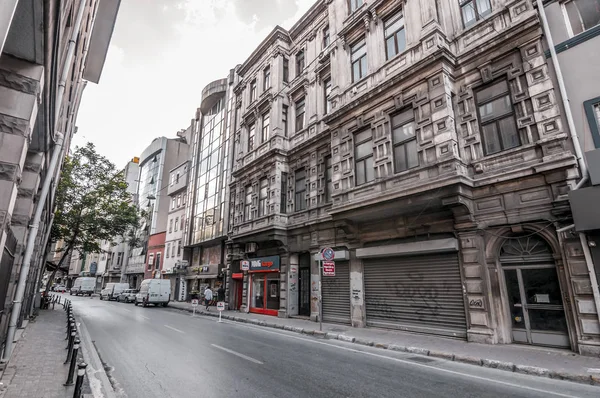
{"x":328,"y":268}
{"x":245,"y":265}
{"x":264,"y":264}
{"x":221,"y":306}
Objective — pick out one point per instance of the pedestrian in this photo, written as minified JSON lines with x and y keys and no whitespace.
{"x":208,"y":295}
{"x":221,"y":293}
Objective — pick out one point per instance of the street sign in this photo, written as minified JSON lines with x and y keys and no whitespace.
{"x":194,"y":302}
{"x":221,"y":306}
{"x":245,"y":264}
{"x":328,"y":268}
{"x":328,"y":254}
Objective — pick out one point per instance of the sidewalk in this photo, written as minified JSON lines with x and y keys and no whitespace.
{"x":36,"y":368}
{"x":538,"y":361}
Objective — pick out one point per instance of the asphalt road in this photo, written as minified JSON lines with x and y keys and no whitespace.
{"x":161,"y":352}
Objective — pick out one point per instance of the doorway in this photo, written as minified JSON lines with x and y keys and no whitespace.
{"x":265,"y":293}
{"x":534,"y":294}
{"x":304,"y":284}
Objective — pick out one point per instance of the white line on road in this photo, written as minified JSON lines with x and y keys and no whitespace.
{"x":518,"y":386}
{"x":172,"y":328}
{"x":238,"y":354}
{"x":125,"y":309}
{"x":145,"y":317}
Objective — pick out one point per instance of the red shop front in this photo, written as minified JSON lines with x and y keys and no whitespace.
{"x":264,"y":285}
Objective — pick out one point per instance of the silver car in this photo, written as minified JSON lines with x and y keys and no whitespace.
{"x":127,"y":296}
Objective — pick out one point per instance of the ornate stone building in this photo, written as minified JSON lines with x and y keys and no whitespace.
{"x":424,"y":142}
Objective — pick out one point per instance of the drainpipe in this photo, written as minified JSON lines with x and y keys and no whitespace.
{"x":578,"y":152}
{"x":35,"y":224}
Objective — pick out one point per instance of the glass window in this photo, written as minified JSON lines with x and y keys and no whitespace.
{"x":284,"y":119}
{"x":168,"y":249}
{"x":262,"y":197}
{"x":326,"y":38}
{"x":286,"y":70}
{"x":300,"y":114}
{"x":358,"y":58}
{"x":474,"y":10}
{"x":355,"y":4}
{"x":300,"y":190}
{"x":179,"y":248}
{"x":327,"y":92}
{"x":496,"y":118}
{"x":582,"y":14}
{"x":178,"y":200}
{"x":328,"y":179}
{"x":405,"y":141}
{"x":284,"y":188}
{"x":170,"y":225}
{"x":252,"y":90}
{"x":176,"y":224}
{"x":266,"y":121}
{"x":251,"y":134}
{"x":300,"y":62}
{"x":266,"y":78}
{"x":248,"y":203}
{"x":258,"y":291}
{"x":395,"y":35}
{"x":363,"y":157}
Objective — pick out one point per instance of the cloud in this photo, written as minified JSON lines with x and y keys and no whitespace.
{"x":162,"y":54}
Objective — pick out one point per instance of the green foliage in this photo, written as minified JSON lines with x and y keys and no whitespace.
{"x":92,"y":203}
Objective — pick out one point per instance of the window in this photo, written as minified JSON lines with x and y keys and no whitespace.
{"x":177,"y":179}
{"x":592,"y":113}
{"x":300,"y":190}
{"x":266,"y":78}
{"x":405,"y":141}
{"x":252,"y":90}
{"x":176,"y":224}
{"x":248,"y":203}
{"x":170,"y":225}
{"x":262,"y":197}
{"x":286,"y":70}
{"x":184,"y":198}
{"x":181,"y":223}
{"x":251,"y":134}
{"x":326,"y":38}
{"x":167,"y":251}
{"x":178,"y":200}
{"x":172,"y":179}
{"x":359,"y":60}
{"x":299,"y":114}
{"x":474,"y":10}
{"x":299,"y":62}
{"x":328,"y":179}
{"x":172,"y":203}
{"x":363,"y":157}
{"x":178,"y":248}
{"x":355,"y":4}
{"x":395,"y":36}
{"x":266,"y":121}
{"x":284,"y":188}
{"x":150,"y":260}
{"x":284,"y":119}
{"x":582,"y":15}
{"x":119,"y":258}
{"x":496,"y":117}
{"x":326,"y":93}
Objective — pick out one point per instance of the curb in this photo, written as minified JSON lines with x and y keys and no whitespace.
{"x":590,"y":379}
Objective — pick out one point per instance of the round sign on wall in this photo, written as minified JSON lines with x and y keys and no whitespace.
{"x":328,"y":254}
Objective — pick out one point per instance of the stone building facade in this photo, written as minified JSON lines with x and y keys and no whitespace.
{"x":424,"y":142}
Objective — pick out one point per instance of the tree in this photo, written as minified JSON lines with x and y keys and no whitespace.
{"x":92,"y":204}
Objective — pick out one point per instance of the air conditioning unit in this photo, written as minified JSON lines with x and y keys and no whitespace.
{"x":251,"y":247}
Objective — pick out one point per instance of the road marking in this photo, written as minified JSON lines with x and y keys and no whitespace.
{"x":238,"y":354}
{"x":145,"y":317}
{"x":125,"y":309}
{"x":518,"y":386}
{"x":172,"y":328}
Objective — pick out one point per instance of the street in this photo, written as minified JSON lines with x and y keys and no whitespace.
{"x":158,"y":352}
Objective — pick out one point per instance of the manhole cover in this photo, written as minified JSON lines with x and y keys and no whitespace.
{"x":421,"y":359}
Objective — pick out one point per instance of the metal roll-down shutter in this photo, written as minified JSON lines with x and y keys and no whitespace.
{"x":336,"y":294}
{"x":420,"y":293}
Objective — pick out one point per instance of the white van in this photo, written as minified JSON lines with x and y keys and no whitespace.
{"x":112,"y":290}
{"x":154,"y":291}
{"x":84,"y":285}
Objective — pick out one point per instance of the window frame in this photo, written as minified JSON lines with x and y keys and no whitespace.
{"x":170,"y":225}
{"x":267,"y":78}
{"x":354,"y":49}
{"x":297,"y":115}
{"x":251,"y":136}
{"x":286,"y":70}
{"x":496,"y":119}
{"x":248,"y":202}
{"x":285,"y":111}
{"x":326,"y":37}
{"x":328,"y":178}
{"x":263,"y":184}
{"x":405,"y":141}
{"x":592,"y":119}
{"x":265,"y":130}
{"x":327,"y":87}
{"x":300,"y":62}
{"x":364,"y":158}
{"x":478,"y":16}
{"x":569,"y":26}
{"x":300,"y":205}
{"x":283,"y":196}
{"x":253,"y":91}
{"x":390,"y":21}
{"x":354,"y":5}
{"x":176,"y":224}
{"x":150,"y":261}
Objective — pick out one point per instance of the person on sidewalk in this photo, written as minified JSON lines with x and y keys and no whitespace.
{"x":221,"y":293}
{"x":208,"y":295}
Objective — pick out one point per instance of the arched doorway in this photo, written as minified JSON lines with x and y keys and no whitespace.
{"x":533,"y":291}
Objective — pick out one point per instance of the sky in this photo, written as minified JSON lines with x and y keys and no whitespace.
{"x":162,"y":53}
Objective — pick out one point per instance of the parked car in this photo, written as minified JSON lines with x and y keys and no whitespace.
{"x":83,"y":286}
{"x":112,"y":290}
{"x":154,"y":291}
{"x":60,"y":288}
{"x":127,"y":296}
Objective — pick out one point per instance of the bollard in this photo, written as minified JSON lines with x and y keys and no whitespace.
{"x":79,"y":382}
{"x":70,"y":327}
{"x":72,"y":365}
{"x":70,"y":344}
{"x":54,"y":302}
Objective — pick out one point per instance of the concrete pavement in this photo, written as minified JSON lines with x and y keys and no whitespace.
{"x":157,"y":352}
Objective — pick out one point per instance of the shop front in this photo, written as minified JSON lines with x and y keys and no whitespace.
{"x":264,"y":285}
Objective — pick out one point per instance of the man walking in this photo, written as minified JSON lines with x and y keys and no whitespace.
{"x":208,"y":295}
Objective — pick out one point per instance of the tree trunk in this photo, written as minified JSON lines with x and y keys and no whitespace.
{"x":60,"y":262}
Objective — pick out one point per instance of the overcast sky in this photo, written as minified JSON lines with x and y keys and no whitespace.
{"x":163,"y":52}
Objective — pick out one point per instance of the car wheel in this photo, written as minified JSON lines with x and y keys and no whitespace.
{"x":101,"y":297}
{"x":165,"y":304}
{"x":144,"y":303}
{"x":136,"y":303}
